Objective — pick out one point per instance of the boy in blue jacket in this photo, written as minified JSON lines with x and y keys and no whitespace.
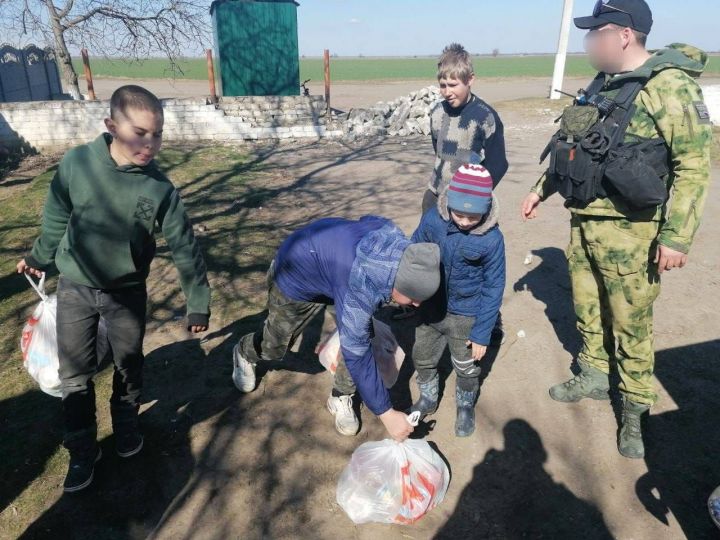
{"x":357,"y":266}
{"x":463,"y":313}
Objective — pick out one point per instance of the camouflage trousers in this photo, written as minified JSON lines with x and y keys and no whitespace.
{"x":285,"y":322}
{"x":614,"y":284}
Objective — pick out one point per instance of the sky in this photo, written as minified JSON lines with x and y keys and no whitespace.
{"x":424,"y":27}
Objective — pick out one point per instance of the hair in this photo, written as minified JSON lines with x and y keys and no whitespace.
{"x":455,"y":63}
{"x":132,"y":96}
{"x":640,"y":37}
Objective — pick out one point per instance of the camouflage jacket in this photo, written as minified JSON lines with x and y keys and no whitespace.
{"x":670,"y":106}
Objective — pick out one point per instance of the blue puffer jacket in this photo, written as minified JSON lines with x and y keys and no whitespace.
{"x":351,"y":264}
{"x":474,"y":265}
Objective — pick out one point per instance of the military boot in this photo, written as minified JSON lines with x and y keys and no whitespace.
{"x":589,"y":383}
{"x":630,"y":443}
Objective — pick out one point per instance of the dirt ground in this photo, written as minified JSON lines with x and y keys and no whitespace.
{"x":218,"y":464}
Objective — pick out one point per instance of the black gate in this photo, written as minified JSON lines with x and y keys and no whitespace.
{"x":29,"y":74}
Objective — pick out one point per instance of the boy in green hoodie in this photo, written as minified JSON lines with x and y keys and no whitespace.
{"x":617,"y":177}
{"x":98,"y":229}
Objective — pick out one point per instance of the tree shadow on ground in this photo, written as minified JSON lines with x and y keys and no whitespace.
{"x":188,"y":390}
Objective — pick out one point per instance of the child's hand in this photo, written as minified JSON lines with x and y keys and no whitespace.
{"x":197,"y":328}
{"x":478,"y":351}
{"x":22,"y":267}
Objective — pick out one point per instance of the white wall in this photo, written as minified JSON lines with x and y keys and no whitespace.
{"x":60,"y":124}
{"x":711,"y":93}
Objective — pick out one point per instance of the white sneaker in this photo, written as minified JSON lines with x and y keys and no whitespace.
{"x":243,"y":375}
{"x":346,"y":422}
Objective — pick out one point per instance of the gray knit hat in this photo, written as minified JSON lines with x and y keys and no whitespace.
{"x":418,"y":276}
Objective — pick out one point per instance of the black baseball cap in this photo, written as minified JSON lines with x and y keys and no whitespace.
{"x":633,"y":14}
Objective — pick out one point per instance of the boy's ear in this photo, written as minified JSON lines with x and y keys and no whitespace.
{"x":110,"y":125}
{"x":471,"y":79}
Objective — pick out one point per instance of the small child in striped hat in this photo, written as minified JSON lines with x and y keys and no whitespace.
{"x":462,"y":314}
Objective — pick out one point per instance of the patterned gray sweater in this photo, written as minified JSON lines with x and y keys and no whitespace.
{"x":472,"y":133}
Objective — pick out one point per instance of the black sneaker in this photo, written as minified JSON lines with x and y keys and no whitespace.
{"x":81,"y":470}
{"x":128,"y":444}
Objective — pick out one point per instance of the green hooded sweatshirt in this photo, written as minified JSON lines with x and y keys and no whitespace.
{"x":670,"y":106}
{"x":99,"y":221}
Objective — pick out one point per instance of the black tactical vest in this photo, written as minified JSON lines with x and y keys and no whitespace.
{"x":590,"y":158}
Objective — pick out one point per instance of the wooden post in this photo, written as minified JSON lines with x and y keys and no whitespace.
{"x":326,"y":58}
{"x":88,"y":74}
{"x":211,"y":75}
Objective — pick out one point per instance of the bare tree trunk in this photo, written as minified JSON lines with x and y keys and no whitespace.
{"x":63,"y":54}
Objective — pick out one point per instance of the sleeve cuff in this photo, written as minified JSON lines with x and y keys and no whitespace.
{"x":32,"y":262}
{"x":382,"y":409}
{"x":677,"y":246}
{"x":480,"y":340}
{"x":198,"y":319}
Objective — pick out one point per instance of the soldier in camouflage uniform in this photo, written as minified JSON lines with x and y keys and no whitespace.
{"x":617,"y":253}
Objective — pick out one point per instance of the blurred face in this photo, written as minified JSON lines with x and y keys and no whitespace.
{"x":464,"y":221}
{"x":402,"y":300}
{"x":606,"y":46}
{"x":137,"y":136}
{"x":455,"y":92}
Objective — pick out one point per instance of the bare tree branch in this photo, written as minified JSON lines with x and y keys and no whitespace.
{"x":128,"y":29}
{"x":63,"y":13}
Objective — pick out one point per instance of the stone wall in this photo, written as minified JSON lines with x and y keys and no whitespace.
{"x":43,"y":125}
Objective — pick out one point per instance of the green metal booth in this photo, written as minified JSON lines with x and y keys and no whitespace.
{"x":256,"y":47}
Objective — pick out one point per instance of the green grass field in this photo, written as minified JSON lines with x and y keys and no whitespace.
{"x":361,"y":69}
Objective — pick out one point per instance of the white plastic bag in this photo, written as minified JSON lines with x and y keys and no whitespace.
{"x":391,"y":482}
{"x":388,"y":354}
{"x":39,"y":341}
{"x":329,"y":352}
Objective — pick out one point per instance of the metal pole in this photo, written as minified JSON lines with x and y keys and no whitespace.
{"x":559,"y":71}
{"x":211,"y":75}
{"x":326,"y":61}
{"x":88,"y":74}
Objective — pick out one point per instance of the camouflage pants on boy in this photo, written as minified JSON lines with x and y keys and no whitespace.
{"x":615,"y":283}
{"x":285,"y":322}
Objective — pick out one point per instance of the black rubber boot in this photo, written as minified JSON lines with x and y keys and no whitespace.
{"x":465,"y":420}
{"x":427,"y":403}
